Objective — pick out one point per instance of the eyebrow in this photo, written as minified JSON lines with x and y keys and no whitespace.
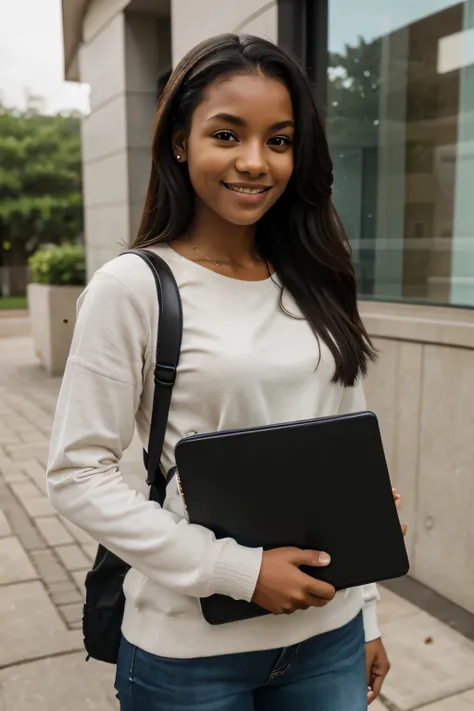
{"x":237,"y":121}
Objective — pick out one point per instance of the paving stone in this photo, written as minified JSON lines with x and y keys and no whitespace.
{"x":377,"y":706}
{"x":28,"y":428}
{"x":33,"y":413}
{"x":21,"y":525}
{"x":53,"y":531}
{"x":26,"y":491}
{"x":34,"y":438}
{"x":28,"y":451}
{"x":25,"y":428}
{"x":76,"y":532}
{"x":430,"y":661}
{"x":33,"y":628}
{"x":16,"y":422}
{"x":29,"y":538}
{"x":48,"y":567}
{"x":15,"y":565}
{"x":15,"y":478}
{"x":79,"y":577}
{"x":5,"y":529}
{"x":46,"y":427}
{"x":72,"y":613}
{"x":461,"y":702}
{"x":13,"y":398}
{"x":90,"y":549}
{"x":13,"y":440}
{"x":63,"y":683}
{"x":40,"y":506}
{"x":393,"y":607}
{"x":36,"y":472}
{"x":8,"y":436}
{"x":8,"y":467}
{"x":72,"y":557}
{"x":64,"y":593}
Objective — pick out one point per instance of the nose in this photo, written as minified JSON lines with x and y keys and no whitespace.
{"x":251,"y":159}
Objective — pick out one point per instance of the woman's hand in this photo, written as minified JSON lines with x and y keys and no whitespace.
{"x":282,"y":588}
{"x":398,"y":501}
{"x":377,"y":667}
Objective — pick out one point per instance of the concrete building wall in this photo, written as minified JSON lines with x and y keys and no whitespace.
{"x":148,"y":50}
{"x":104,"y":142}
{"x":99,"y":14}
{"x":242,"y":16}
{"x":422,"y":390}
{"x":121,"y":58}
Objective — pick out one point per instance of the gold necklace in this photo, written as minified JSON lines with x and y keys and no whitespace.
{"x":213,"y":261}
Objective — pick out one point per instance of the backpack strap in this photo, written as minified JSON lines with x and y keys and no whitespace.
{"x":168,"y":347}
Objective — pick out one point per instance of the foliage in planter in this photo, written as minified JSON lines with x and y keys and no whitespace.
{"x":59,"y":265}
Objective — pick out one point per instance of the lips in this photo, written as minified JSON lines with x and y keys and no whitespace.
{"x":247,"y":190}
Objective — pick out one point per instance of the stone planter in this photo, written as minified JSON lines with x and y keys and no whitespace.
{"x":52,"y":315}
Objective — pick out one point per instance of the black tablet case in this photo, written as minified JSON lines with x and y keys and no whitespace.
{"x":320,"y":484}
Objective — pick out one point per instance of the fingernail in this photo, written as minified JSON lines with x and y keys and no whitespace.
{"x":324,"y":558}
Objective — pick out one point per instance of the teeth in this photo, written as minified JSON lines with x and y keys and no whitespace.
{"x":249,"y":191}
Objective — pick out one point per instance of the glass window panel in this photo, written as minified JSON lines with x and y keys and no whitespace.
{"x":400,"y":122}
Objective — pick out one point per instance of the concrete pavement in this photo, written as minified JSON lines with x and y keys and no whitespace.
{"x":43,"y":561}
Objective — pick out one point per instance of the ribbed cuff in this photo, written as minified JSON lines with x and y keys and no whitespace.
{"x":371,"y":626}
{"x":236,"y":571}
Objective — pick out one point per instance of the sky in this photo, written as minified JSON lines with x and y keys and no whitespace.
{"x":31,"y":57}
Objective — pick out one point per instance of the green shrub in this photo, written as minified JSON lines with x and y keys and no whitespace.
{"x":63,"y":264}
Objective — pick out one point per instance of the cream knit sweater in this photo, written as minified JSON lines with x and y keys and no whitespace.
{"x":244,"y":362}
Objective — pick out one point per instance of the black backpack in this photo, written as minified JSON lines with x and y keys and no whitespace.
{"x":105,"y":600}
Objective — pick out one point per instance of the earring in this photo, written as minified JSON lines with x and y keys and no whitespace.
{"x":178,"y":157}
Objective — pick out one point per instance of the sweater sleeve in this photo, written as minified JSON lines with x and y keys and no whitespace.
{"x":94,"y":423}
{"x":353,"y":400}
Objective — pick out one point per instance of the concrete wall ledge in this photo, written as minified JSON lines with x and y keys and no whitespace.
{"x":437,"y":325}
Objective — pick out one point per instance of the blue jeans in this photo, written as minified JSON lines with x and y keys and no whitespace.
{"x":326,"y":673}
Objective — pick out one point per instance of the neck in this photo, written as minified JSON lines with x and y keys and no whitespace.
{"x":222,"y":240}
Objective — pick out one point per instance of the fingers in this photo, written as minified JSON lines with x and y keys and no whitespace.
{"x":305,"y":600}
{"x":368,"y":669}
{"x":319,"y":593}
{"x":397,"y":498}
{"x":376,"y":688}
{"x":315,"y":559}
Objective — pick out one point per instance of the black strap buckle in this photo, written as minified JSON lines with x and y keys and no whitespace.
{"x":165,"y":375}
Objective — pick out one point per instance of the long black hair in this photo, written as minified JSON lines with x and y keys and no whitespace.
{"x":301,"y":235}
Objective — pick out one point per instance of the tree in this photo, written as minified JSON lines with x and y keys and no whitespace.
{"x":40,"y":183}
{"x":353,"y":115}
{"x":354,"y":92}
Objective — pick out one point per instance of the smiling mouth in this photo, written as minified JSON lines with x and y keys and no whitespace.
{"x":246,"y":191}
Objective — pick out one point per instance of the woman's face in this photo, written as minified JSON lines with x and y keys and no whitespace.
{"x":240,"y":146}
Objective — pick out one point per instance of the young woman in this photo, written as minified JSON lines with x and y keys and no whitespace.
{"x":239,"y":205}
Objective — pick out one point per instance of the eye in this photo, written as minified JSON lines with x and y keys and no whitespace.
{"x":280,"y":141}
{"x":226,"y":136}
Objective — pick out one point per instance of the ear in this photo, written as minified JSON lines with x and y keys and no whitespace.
{"x":179,"y":145}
